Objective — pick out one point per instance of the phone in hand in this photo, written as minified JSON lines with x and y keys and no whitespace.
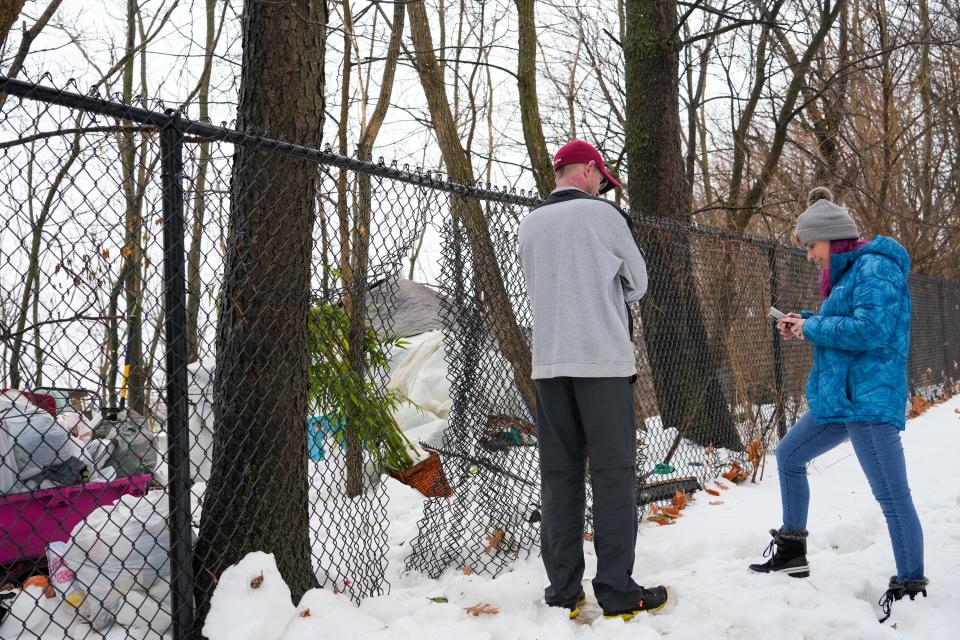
{"x":776,"y":314}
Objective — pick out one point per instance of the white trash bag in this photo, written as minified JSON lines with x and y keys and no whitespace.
{"x":116,"y":550}
{"x":44,"y":452}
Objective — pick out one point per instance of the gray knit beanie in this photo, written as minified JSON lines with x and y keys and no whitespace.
{"x":824,"y":220}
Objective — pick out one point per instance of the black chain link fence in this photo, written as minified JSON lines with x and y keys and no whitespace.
{"x":199,"y":330}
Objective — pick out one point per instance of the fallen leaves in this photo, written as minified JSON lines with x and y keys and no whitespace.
{"x":482,"y":609}
{"x":493,"y":542}
{"x":673,"y":512}
{"x":468,"y":570}
{"x":661,"y":519}
{"x":439,"y":599}
{"x":753,"y":452}
{"x":257,"y":582}
{"x":735,"y":473}
{"x":715,"y":502}
{"x":588,"y":537}
{"x":305,"y":613}
{"x":679,"y":500}
{"x":713,"y":492}
{"x":918,"y":405}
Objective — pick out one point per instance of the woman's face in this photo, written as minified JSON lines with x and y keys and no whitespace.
{"x":818,"y":251}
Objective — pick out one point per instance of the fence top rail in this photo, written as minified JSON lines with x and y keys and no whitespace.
{"x":163,"y":117}
{"x":174,"y":118}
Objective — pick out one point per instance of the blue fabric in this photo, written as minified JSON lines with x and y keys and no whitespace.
{"x":880,"y":454}
{"x":861,"y":338}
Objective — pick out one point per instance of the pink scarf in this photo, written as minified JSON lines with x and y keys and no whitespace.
{"x":836,"y":247}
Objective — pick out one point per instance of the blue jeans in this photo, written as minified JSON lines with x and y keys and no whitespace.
{"x":880,"y":453}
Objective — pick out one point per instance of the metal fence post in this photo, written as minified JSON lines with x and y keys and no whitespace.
{"x":780,"y":414}
{"x":944,"y":341}
{"x":175,"y":322}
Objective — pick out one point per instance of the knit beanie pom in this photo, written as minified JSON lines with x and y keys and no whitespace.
{"x":819,"y":193}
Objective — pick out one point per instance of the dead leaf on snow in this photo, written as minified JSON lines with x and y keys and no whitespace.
{"x":588,"y":537}
{"x":482,"y":609}
{"x":715,"y":502}
{"x":257,"y":582}
{"x":713,"y":492}
{"x":493,"y":542}
{"x":468,"y":571}
{"x":679,"y":500}
{"x":305,"y":613}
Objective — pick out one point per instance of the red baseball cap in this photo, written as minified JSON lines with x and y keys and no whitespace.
{"x":579,"y":151}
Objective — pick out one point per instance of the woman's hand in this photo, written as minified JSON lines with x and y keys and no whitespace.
{"x":791,"y":326}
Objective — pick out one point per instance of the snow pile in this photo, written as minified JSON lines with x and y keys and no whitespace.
{"x":703,"y":557}
{"x":252,"y":602}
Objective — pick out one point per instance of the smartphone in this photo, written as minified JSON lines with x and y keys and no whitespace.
{"x":776,"y":314}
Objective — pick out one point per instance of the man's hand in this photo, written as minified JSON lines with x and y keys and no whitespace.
{"x":791,"y":326}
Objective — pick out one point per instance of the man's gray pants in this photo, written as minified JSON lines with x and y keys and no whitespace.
{"x":580,"y":419}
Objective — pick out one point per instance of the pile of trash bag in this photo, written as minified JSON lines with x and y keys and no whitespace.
{"x":39,"y":451}
{"x":115,"y":551}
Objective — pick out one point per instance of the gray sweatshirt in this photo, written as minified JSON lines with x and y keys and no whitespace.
{"x":582,"y":266}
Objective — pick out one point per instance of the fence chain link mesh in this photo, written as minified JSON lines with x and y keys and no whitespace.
{"x":199,"y":328}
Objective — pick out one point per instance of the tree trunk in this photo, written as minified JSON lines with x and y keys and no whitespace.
{"x":132,"y":252}
{"x":529,"y":101}
{"x":9,"y":12}
{"x":688,"y":389}
{"x":261,"y":383}
{"x":194,"y":291}
{"x":486,"y":269}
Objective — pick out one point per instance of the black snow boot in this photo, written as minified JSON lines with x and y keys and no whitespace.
{"x":897,"y":590}
{"x":789,"y":554}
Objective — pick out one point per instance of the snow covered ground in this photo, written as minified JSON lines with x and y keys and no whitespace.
{"x":703,"y":557}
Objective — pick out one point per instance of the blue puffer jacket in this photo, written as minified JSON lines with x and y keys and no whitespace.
{"x":861,"y":337}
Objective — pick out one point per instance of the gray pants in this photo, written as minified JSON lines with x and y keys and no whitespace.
{"x":577,"y":419}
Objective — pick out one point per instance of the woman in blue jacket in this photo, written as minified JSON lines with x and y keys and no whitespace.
{"x":857,"y":388}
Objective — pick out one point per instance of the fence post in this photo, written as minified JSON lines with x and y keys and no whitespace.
{"x":944,"y":341}
{"x":175,"y":322}
{"x":780,"y":414}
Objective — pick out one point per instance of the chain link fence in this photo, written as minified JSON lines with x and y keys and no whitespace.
{"x":200,"y":328}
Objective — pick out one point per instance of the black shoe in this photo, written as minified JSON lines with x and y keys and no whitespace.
{"x":789,"y":554}
{"x":651,"y":601}
{"x":897,"y":590}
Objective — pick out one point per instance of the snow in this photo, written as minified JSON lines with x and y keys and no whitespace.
{"x":703,"y":557}
{"x":251,"y":598}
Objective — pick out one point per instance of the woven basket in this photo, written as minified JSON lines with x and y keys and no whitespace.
{"x":426,"y":477}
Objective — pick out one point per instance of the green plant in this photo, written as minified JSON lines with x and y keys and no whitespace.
{"x":349,"y":398}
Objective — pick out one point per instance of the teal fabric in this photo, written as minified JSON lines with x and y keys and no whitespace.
{"x":861,"y":338}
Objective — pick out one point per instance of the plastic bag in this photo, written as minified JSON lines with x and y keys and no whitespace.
{"x":43,"y":449}
{"x":115,"y":550}
{"x":134,"y":452}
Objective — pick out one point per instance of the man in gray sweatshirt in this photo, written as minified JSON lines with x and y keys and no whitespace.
{"x":583,"y":267}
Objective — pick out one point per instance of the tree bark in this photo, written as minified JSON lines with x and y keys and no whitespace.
{"x":261,"y":382}
{"x":486,"y":269}
{"x":688,"y":389}
{"x":529,"y":101}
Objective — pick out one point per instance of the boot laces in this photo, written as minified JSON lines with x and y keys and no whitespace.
{"x":886,"y":601}
{"x":771,"y":549}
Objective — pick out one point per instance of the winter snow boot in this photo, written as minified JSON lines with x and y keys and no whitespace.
{"x":897,"y":590}
{"x":651,"y":601}
{"x":789,"y":551}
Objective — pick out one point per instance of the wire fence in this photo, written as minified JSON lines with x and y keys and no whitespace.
{"x":202,"y":330}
